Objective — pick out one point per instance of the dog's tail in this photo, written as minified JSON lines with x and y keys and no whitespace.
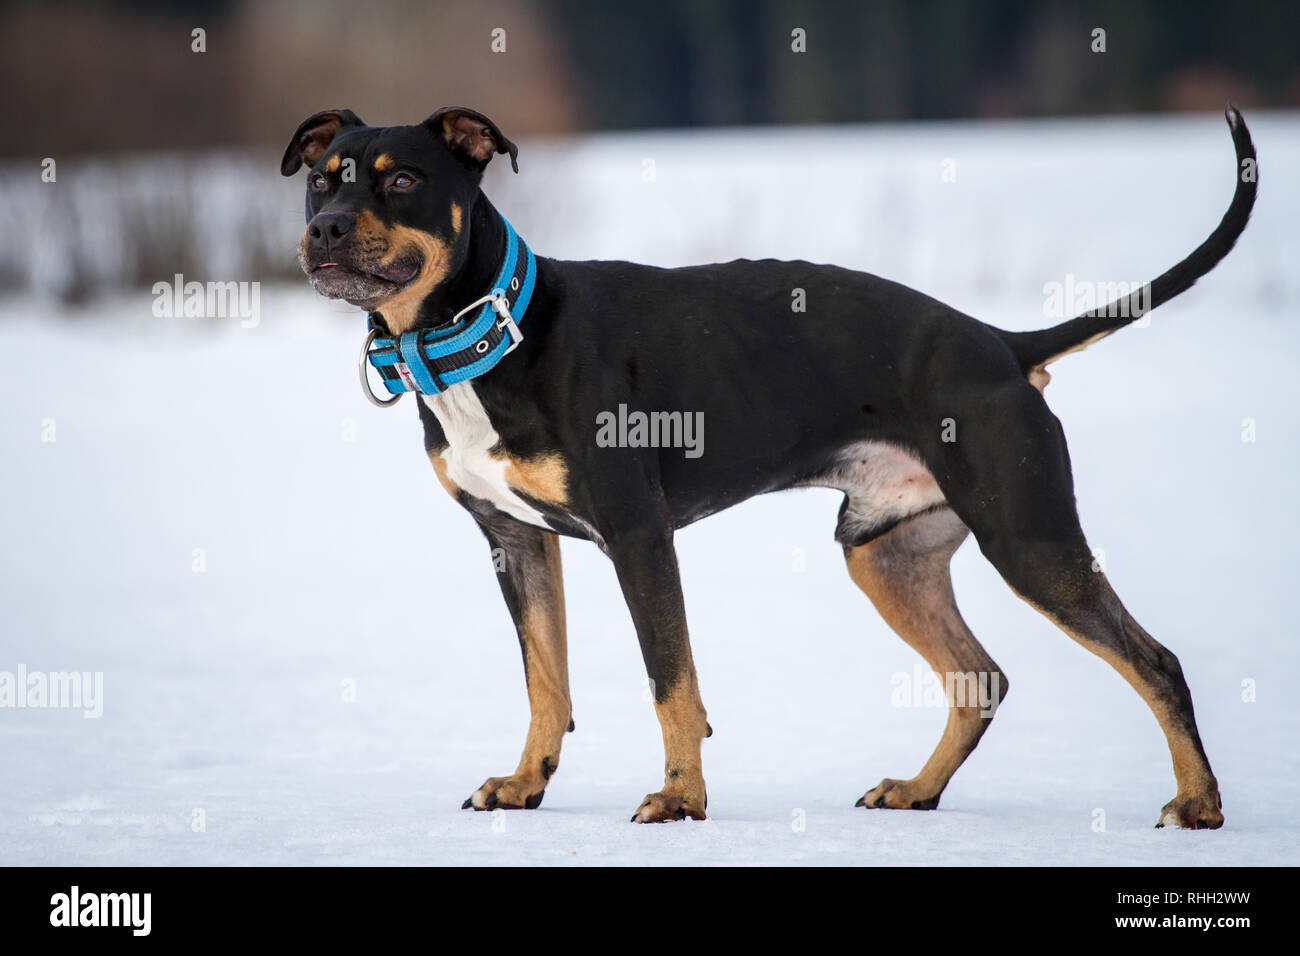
{"x":1036,"y":349}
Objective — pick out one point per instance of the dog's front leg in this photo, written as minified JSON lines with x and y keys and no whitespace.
{"x":647,"y":571}
{"x":527,"y":562}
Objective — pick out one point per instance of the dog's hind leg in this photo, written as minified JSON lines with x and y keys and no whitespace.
{"x":1008,"y":477}
{"x":905,"y":573}
{"x":527,"y":562}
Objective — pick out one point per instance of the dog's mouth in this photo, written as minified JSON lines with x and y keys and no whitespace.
{"x":360,"y":287}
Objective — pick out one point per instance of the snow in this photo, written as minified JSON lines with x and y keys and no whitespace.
{"x":335,"y":563}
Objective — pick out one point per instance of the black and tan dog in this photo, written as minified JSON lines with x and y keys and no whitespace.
{"x":932,"y":423}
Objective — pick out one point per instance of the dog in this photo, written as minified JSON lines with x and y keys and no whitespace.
{"x":530,"y":373}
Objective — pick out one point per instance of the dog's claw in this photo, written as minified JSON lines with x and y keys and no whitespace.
{"x":1192,"y":813}
{"x":666,"y":807}
{"x":897,"y":795}
{"x":506,"y":793}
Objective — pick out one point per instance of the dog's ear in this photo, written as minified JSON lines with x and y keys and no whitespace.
{"x":314,"y":136}
{"x":471,"y":136}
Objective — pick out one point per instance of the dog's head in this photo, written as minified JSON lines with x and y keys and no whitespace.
{"x":387,"y":207}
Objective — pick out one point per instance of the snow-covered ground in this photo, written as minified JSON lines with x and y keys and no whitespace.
{"x":325,"y":541}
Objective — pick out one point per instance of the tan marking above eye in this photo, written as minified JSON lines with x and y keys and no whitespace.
{"x":384,"y":162}
{"x":332,"y":164}
{"x":457,"y":217}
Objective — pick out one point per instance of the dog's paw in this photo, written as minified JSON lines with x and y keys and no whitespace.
{"x":1193,"y":813}
{"x":662,"y":807}
{"x":507,"y":793}
{"x":898,"y":795}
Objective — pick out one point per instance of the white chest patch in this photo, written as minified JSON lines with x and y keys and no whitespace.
{"x":468,"y":455}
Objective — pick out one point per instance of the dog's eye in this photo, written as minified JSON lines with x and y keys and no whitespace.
{"x":318,"y":181}
{"x":402,"y":181}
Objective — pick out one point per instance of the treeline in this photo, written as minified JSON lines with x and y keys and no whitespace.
{"x":101,"y":77}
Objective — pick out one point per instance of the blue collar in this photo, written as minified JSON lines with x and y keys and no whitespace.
{"x":431,"y":360}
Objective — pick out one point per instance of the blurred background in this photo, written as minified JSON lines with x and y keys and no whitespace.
{"x":193,"y":505}
{"x":164,"y":146}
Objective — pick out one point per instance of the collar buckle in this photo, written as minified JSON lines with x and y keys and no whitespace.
{"x":507,"y":323}
{"x":497,"y":299}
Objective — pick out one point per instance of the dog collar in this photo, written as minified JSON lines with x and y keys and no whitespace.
{"x":431,"y":360}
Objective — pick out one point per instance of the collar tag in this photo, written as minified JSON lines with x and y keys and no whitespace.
{"x":404,"y":372}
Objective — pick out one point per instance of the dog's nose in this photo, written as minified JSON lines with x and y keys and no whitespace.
{"x":327,"y":228}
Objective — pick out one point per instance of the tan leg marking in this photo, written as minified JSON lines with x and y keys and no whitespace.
{"x":542,"y":634}
{"x":545,"y":478}
{"x":440,"y":469}
{"x":684,"y":724}
{"x":905,"y":574}
{"x":1197,"y":804}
